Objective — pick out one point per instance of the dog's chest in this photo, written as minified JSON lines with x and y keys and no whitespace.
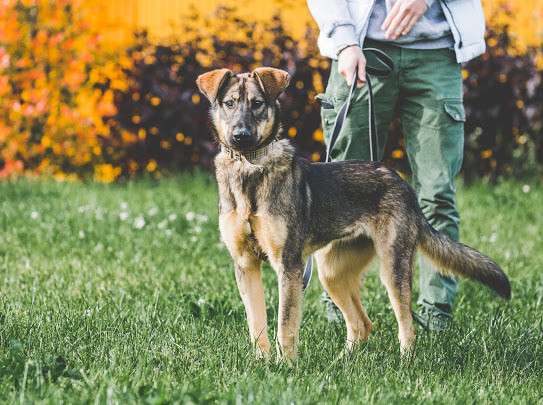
{"x":247,"y":218}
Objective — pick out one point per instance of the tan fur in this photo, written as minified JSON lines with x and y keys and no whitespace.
{"x":235,"y":230}
{"x":341,"y":266}
{"x":271,"y":234}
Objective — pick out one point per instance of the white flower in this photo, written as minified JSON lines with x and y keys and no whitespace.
{"x":168,"y":232}
{"x":202,"y":218}
{"x":34,"y":215}
{"x":124,"y":206}
{"x":152,"y":211}
{"x":139,"y":222}
{"x":162,"y":224}
{"x":190,"y":216}
{"x":172,"y":217}
{"x":197,"y":229}
{"x":81,"y":234}
{"x":493,"y":237}
{"x":193,"y":239}
{"x":526,"y":188}
{"x":123,"y":215}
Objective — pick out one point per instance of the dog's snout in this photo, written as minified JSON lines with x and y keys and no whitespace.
{"x":241,"y":134}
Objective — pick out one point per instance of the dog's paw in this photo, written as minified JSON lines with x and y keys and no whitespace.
{"x":407,"y":354}
{"x":262,"y":354}
{"x":286,"y":356}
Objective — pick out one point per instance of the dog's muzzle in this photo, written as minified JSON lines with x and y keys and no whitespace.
{"x":242,"y":138}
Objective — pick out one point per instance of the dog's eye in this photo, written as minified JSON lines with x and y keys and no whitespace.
{"x":257,"y":103}
{"x":229,"y":103}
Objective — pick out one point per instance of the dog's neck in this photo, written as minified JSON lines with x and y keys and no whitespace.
{"x":252,"y":156}
{"x":272,"y":156}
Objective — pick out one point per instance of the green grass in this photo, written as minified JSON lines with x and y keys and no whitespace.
{"x":93,"y":309}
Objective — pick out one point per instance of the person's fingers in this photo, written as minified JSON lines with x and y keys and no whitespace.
{"x":361,"y":72}
{"x":391,"y":14}
{"x":412,"y":21}
{"x":347,"y":73}
{"x":395,"y":23}
{"x":396,"y":32}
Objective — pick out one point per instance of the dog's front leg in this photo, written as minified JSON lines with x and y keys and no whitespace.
{"x":251,"y":289}
{"x":248,"y":277}
{"x":290,"y":310}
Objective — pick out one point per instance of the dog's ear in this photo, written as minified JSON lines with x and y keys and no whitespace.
{"x":273,"y":81}
{"x":210,"y":83}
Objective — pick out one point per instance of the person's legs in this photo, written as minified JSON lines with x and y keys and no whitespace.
{"x":353,"y":141}
{"x":432,"y":117}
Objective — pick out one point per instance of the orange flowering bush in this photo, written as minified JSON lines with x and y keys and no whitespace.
{"x":51,"y":98}
{"x":68,"y":109}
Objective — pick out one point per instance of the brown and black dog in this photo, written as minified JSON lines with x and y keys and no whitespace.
{"x":276,"y":205}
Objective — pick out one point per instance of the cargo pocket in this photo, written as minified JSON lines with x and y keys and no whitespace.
{"x":328,"y":114}
{"x":452,"y":135}
{"x":455,"y":109}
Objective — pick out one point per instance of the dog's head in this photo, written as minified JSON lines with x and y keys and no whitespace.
{"x":244,"y":107}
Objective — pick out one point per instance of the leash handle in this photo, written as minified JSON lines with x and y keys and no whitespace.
{"x":387,"y":66}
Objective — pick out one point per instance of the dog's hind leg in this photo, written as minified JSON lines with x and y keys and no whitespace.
{"x":340,"y":266}
{"x":396,"y":250}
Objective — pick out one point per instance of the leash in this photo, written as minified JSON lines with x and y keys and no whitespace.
{"x":384,"y":70}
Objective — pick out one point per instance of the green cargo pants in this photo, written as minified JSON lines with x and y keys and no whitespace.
{"x":425,"y":90}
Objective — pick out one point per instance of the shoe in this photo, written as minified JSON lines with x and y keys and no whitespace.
{"x":333,"y":314}
{"x":432,"y":319}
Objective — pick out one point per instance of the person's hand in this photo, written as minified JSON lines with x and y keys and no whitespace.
{"x":349,"y":60}
{"x":403,"y":15}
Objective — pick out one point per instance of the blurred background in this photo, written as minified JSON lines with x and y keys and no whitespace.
{"x":105,"y":90}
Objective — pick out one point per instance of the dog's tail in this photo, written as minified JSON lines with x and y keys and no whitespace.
{"x":459,"y":259}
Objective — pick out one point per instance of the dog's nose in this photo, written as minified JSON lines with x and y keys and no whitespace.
{"x":241,"y":134}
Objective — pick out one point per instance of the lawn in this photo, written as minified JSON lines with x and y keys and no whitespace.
{"x":124,"y":293}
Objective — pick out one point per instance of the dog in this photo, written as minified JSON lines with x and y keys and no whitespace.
{"x":278,"y":206}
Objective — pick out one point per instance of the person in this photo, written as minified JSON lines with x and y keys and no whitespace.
{"x":427,"y":41}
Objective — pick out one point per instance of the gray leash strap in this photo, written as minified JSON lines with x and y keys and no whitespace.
{"x":382,"y":71}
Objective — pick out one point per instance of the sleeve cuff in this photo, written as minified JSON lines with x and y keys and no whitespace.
{"x":342,"y":36}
